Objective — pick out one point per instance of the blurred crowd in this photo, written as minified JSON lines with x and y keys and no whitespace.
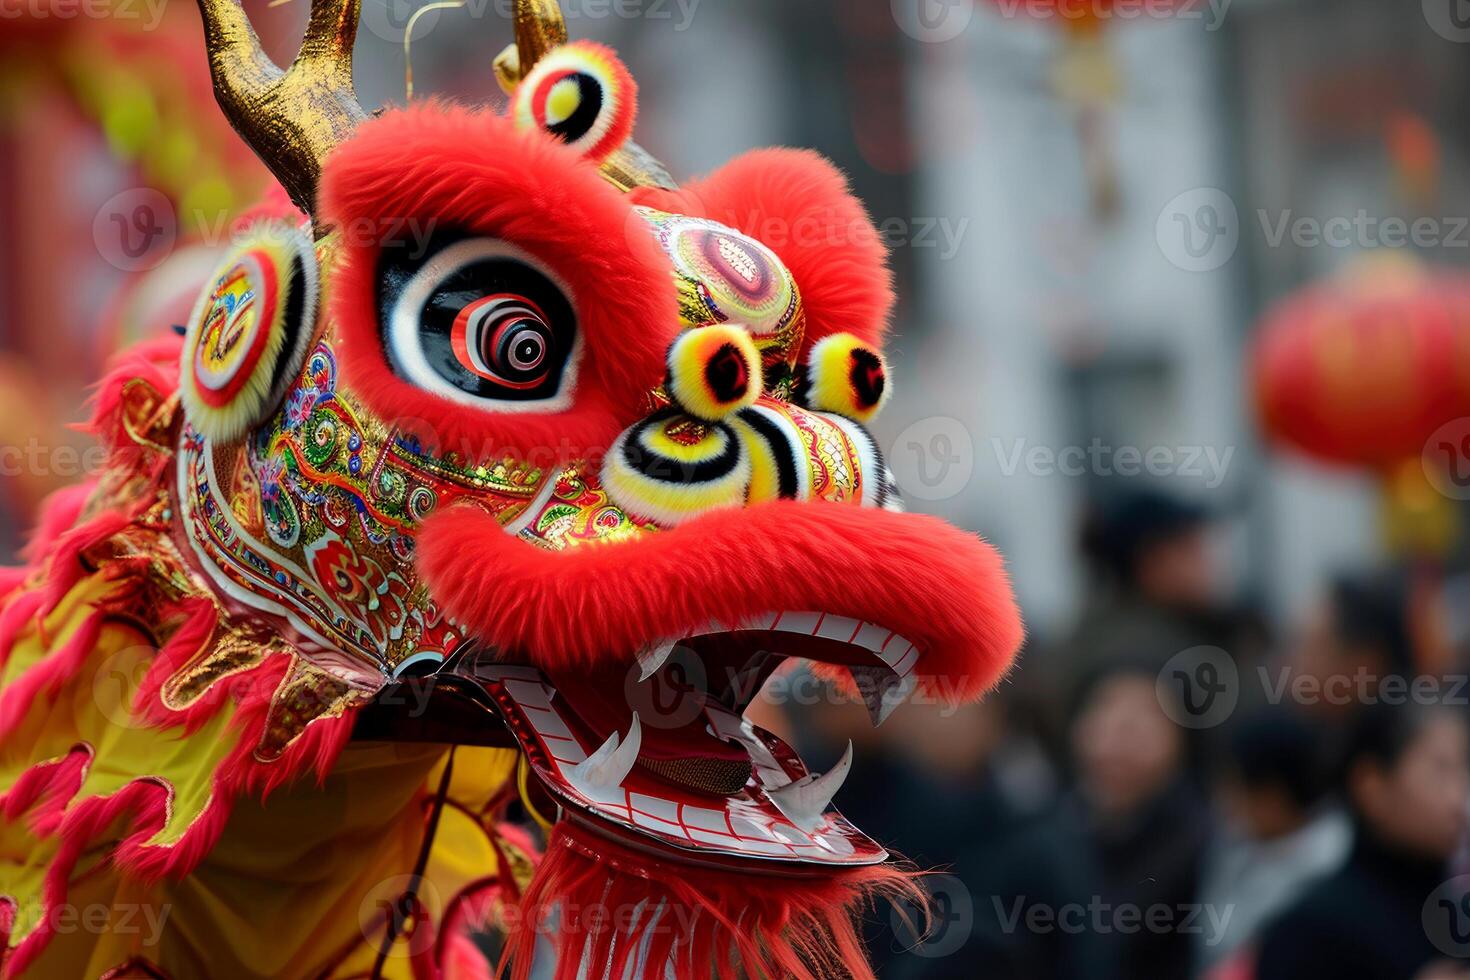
{"x":1170,"y":791}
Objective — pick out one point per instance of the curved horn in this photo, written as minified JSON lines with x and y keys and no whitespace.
{"x":539,"y":28}
{"x":291,"y":119}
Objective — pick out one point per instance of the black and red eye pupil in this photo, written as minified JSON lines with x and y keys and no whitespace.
{"x":527,"y":346}
{"x":503,"y":338}
{"x":517,"y":348}
{"x":473,"y":317}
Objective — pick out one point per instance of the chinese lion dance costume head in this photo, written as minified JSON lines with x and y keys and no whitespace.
{"x":521,"y":509}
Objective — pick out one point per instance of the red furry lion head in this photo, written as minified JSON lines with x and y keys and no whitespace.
{"x":513,"y":410}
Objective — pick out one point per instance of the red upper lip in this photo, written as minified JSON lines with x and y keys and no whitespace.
{"x":944,"y":589}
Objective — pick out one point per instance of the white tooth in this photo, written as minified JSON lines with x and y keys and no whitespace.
{"x":654,"y":656}
{"x":883,"y":690}
{"x":610,"y":764}
{"x":804,"y":801}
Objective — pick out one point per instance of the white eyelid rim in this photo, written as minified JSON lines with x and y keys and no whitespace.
{"x":407,"y":353}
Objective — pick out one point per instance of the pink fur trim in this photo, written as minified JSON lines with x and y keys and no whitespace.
{"x":11,"y":579}
{"x":141,"y":806}
{"x":154,"y":362}
{"x":47,"y":792}
{"x":49,"y":782}
{"x":65,"y":567}
{"x":20,"y":612}
{"x":59,"y":514}
{"x":201,"y":618}
{"x":46,"y":678}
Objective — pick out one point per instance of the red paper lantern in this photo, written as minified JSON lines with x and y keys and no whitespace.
{"x":1363,"y":368}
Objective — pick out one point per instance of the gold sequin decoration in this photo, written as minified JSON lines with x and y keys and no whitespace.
{"x":305,"y":695}
{"x":231,"y":653}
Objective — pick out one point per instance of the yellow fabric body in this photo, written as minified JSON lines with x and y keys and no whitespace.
{"x":295,"y":887}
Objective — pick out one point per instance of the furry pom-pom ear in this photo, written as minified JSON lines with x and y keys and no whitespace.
{"x":582,"y":94}
{"x":714,"y":372}
{"x":797,"y":203}
{"x":249,"y":331}
{"x":846,"y":377}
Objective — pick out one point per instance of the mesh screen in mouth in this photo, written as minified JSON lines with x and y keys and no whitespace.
{"x":723,"y":777}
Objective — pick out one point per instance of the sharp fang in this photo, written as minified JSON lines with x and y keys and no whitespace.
{"x":651,"y":658}
{"x":804,"y":801}
{"x":610,"y":764}
{"x":882,"y":689}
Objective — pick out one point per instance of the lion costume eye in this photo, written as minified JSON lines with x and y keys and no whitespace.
{"x":479,"y":321}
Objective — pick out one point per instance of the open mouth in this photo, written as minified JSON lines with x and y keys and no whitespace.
{"x":649,"y":741}
{"x":660,"y":753}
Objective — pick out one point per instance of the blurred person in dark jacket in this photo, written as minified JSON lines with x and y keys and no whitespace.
{"x":1010,"y":864}
{"x":1156,"y":589}
{"x":956,"y":793}
{"x":1283,"y":833}
{"x":1406,"y":781}
{"x":1359,"y":635}
{"x":1145,"y":823}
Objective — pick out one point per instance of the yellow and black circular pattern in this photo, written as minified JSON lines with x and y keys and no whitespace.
{"x":672,"y":467}
{"x":582,"y":94}
{"x":714,"y":371}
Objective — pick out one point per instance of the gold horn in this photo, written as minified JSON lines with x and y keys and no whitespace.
{"x":539,"y":28}
{"x":291,"y":119}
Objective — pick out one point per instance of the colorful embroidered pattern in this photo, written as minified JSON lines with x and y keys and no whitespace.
{"x":248,"y":331}
{"x":314,"y":518}
{"x":573,"y":510}
{"x":724,"y":276}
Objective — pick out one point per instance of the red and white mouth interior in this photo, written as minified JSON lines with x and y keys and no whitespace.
{"x":659,"y":753}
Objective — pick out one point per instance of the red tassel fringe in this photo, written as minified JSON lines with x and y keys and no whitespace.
{"x":598,"y":900}
{"x":143,"y":803}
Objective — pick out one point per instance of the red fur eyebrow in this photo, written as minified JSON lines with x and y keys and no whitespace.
{"x":445,"y":168}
